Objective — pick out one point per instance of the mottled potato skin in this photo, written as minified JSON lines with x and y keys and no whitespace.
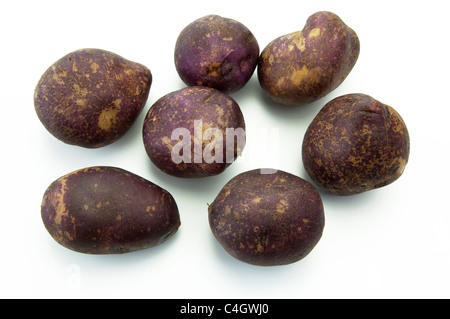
{"x":91,"y":97}
{"x":180,"y":109}
{"x":267,"y":219}
{"x":304,"y":66}
{"x":355,"y":144}
{"x":216,"y":52}
{"x":107,"y":210}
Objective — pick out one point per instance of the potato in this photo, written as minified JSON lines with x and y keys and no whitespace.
{"x":304,"y":66}
{"x":91,"y":97}
{"x":216,"y":52}
{"x":194,"y":132}
{"x":107,"y":210}
{"x":355,"y":144}
{"x":267,"y":219}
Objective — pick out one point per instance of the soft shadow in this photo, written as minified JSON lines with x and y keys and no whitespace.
{"x":246,"y":279}
{"x":113,"y":261}
{"x":191,"y":187}
{"x":248,"y":91}
{"x":289,"y":113}
{"x":247,"y":274}
{"x":252,"y":97}
{"x":343,"y":204}
{"x":129,"y":139}
{"x":354,"y":204}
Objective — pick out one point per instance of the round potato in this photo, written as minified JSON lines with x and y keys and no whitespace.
{"x":355,"y":144}
{"x":91,"y":97}
{"x":194,"y":132}
{"x":216,"y":52}
{"x":304,"y":66}
{"x":267,"y":219}
{"x":107,"y":210}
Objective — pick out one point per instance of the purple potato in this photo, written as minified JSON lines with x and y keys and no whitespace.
{"x":216,"y":52}
{"x":355,"y":144}
{"x":91,"y":97}
{"x":267,"y":219}
{"x":304,"y":66}
{"x":186,"y":118}
{"x":107,"y":210}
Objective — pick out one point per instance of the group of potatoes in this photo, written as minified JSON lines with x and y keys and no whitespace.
{"x":91,"y":97}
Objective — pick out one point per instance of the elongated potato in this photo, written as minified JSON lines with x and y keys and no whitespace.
{"x":107,"y":210}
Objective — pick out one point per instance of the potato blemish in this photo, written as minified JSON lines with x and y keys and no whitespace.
{"x":108,"y":117}
{"x":315,"y":32}
{"x":94,"y":67}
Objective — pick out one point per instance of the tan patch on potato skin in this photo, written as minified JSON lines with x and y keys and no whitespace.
{"x":267,"y":225}
{"x":301,"y":67}
{"x":107,"y":210}
{"x":315,"y":32}
{"x":76,"y":98}
{"x":179,"y":109}
{"x":214,"y":70}
{"x":108,"y":118}
{"x":55,"y":215}
{"x":371,"y":152}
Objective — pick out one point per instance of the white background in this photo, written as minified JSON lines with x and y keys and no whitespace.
{"x":388,"y":243}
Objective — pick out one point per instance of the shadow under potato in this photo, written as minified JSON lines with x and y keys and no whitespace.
{"x":191,"y":187}
{"x":253,"y":92}
{"x":343,"y":204}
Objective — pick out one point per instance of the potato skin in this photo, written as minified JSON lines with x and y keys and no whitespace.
{"x":216,"y":52}
{"x":107,"y":210}
{"x":91,"y":97}
{"x":179,"y":109}
{"x":304,"y":66}
{"x":355,"y":144}
{"x":267,"y":219}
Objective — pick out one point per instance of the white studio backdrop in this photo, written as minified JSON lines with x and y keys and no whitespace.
{"x":388,"y":243}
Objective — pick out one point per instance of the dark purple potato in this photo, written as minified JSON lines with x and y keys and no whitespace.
{"x":194,"y":132}
{"x":355,"y":144}
{"x":216,"y":52}
{"x":267,"y":219}
{"x":91,"y":97}
{"x":106,"y":210}
{"x":304,"y":66}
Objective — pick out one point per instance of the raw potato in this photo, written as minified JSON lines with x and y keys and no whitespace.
{"x":267,"y":219}
{"x":194,"y":111}
{"x":107,"y":210}
{"x":216,"y":52}
{"x":355,"y":144}
{"x":91,"y":97}
{"x":304,"y":66}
